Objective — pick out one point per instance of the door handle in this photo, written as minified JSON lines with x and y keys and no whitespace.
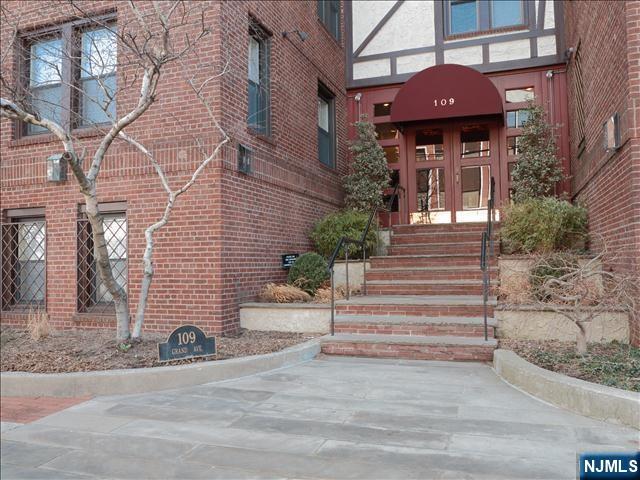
{"x":457,"y":177}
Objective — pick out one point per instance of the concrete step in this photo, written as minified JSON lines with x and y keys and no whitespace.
{"x":410,"y":347}
{"x":416,"y":305}
{"x":430,"y":260}
{"x":438,"y":237}
{"x":443,"y":227}
{"x":430,"y":273}
{"x":425,"y":287}
{"x":469,"y":248}
{"x":403,"y":325}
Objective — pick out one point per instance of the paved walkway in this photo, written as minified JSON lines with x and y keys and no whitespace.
{"x":329,"y":418}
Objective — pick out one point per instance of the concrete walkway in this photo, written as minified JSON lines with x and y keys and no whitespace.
{"x":328,"y":418}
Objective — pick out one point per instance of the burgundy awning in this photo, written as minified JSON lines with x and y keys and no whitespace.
{"x":446,"y":91}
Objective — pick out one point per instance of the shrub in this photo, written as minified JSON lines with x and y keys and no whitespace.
{"x":349,"y":223}
{"x":38,"y":324}
{"x":308,"y":272}
{"x":554,"y":265}
{"x":369,"y":172}
{"x":274,"y":293}
{"x":537,"y":170}
{"x":543,"y":225}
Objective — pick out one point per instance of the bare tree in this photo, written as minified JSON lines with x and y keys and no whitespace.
{"x":147,"y":39}
{"x":581,"y":290}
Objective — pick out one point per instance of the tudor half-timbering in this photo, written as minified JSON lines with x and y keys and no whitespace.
{"x":446,"y":83}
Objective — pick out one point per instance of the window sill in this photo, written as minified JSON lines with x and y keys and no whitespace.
{"x":483,"y":33}
{"x":81,"y":132}
{"x":333,"y":169}
{"x":261,"y":136}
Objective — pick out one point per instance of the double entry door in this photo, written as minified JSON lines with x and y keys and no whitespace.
{"x":449,"y":169}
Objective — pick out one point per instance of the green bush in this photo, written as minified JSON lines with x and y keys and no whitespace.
{"x":349,"y":223}
{"x":543,"y":225}
{"x":553,"y":265}
{"x":308,"y":272}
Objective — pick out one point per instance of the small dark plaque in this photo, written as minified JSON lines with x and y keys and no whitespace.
{"x":288,"y":259}
{"x":186,"y":341}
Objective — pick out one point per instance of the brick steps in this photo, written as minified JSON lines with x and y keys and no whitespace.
{"x":403,"y":325}
{"x":431,"y":260}
{"x":410,"y":347}
{"x":424,"y":287}
{"x":416,"y":305}
{"x":424,"y":300}
{"x":428,"y":273}
{"x":468,"y":248}
{"x":441,"y":227}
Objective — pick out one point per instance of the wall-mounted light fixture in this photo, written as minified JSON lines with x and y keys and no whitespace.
{"x":57,"y":168}
{"x":302,"y":35}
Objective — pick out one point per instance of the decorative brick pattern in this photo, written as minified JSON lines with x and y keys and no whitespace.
{"x":409,"y":351}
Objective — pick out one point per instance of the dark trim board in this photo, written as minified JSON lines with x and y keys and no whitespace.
{"x":550,"y":60}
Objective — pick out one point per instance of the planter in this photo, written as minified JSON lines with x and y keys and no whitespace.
{"x":141,"y":380}
{"x":585,"y":398}
{"x":356,"y":273}
{"x":286,"y":317}
{"x":532,"y":323}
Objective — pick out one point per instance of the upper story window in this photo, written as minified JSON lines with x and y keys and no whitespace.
{"x":468,"y":16}
{"x":326,"y":127}
{"x":71,"y":78}
{"x":45,"y":81}
{"x":259,"y":111}
{"x":98,"y":76}
{"x":329,"y":13}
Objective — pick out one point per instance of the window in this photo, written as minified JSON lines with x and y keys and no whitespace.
{"x":93,"y":295}
{"x":90,"y":99}
{"x":386,"y":131}
{"x":259,"y":112}
{"x":98,"y":76}
{"x":475,"y":142}
{"x":45,"y":81}
{"x":579,"y":96}
{"x":519,"y":95}
{"x":429,"y":145}
{"x":329,"y":13}
{"x":23,"y":263}
{"x":517,"y":118}
{"x":430,"y":189}
{"x":392,"y":154}
{"x":467,"y":16}
{"x":326,"y":127}
{"x":395,"y":180}
{"x":476,"y":183}
{"x":513,"y":145}
{"x":382,"y":109}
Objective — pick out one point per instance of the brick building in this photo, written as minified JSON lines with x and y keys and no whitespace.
{"x":604,"y":85}
{"x":227,"y":234}
{"x":446,"y":84}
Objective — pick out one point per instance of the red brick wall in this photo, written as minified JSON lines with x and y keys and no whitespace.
{"x":227,"y":233}
{"x":608,"y":183}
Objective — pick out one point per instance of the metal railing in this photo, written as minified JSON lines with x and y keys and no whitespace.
{"x":486,"y":252}
{"x":362,"y":243}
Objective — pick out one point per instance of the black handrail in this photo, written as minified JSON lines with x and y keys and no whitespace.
{"x":486,"y":252}
{"x":362,"y":242}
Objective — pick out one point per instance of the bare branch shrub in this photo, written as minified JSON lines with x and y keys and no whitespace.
{"x":38,"y":324}
{"x":582,"y":291}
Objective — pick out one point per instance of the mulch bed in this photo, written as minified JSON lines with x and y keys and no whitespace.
{"x":90,"y":350}
{"x":612,"y":364}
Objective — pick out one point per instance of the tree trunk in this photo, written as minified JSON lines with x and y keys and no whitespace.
{"x":581,"y":337}
{"x":146,"y":284}
{"x":104,"y":269}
